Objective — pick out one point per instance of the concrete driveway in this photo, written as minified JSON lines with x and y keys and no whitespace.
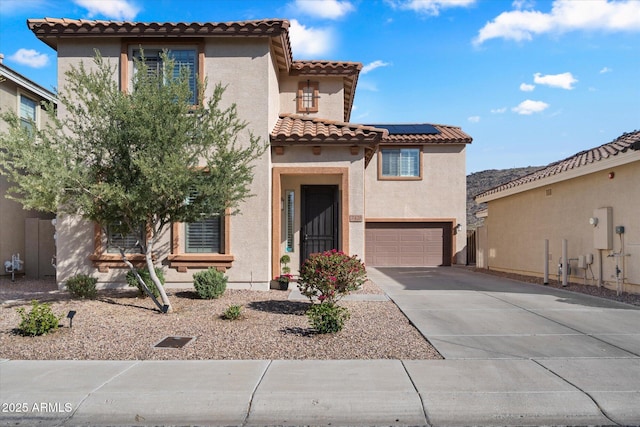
{"x":517,"y":350}
{"x":468,"y":315}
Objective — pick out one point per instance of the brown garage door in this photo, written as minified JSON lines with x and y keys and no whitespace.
{"x":418,"y":244}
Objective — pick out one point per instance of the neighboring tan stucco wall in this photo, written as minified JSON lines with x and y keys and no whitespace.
{"x":244,"y":66}
{"x":517,"y":226}
{"x":12,"y":214}
{"x":441,"y":194}
{"x":330,"y":103}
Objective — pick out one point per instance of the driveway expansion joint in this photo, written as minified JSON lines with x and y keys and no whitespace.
{"x":595,"y":402}
{"x":253,"y":393}
{"x":424,"y":408}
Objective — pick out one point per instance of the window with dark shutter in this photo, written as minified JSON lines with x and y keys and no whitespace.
{"x":117,"y":240}
{"x":203,"y":236}
{"x":183,"y":59}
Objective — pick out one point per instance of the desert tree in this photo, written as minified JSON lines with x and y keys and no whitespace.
{"x":139,"y":158}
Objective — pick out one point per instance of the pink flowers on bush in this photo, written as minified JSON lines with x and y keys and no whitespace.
{"x":331,"y":275}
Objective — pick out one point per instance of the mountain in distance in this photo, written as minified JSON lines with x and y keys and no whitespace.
{"x":482,"y":181}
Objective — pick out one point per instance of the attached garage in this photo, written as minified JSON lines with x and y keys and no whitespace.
{"x":408,"y":244}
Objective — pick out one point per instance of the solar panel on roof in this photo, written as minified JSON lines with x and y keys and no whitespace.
{"x":409,"y":129}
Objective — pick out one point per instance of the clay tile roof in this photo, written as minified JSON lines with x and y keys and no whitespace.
{"x":48,"y":29}
{"x":294,"y":129}
{"x":66,"y":27}
{"x":432,"y":134}
{"x":622,"y":144}
{"x":325,"y":68}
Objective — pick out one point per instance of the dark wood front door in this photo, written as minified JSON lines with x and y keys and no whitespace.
{"x":319,"y":219}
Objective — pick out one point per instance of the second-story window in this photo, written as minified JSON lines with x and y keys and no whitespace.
{"x":399,"y":163}
{"x":308,"y":96}
{"x":27,"y":112}
{"x":182,"y":59}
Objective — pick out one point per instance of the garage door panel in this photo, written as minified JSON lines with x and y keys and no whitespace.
{"x":407,"y":244}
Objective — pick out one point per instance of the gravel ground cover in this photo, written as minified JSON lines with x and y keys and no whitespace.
{"x":602,"y":292}
{"x":119,"y":325}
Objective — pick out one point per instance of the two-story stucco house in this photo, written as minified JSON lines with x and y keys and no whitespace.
{"x":391,"y":194}
{"x":26,"y":234}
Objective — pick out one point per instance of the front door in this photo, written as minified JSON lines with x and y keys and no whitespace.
{"x":320,"y":213}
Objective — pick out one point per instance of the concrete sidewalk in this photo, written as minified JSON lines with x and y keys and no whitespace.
{"x":516,"y":354}
{"x":294,"y":393}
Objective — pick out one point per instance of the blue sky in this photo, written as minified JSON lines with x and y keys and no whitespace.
{"x":531,"y":81}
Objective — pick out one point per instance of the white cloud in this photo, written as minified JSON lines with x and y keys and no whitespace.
{"x":30,"y":57}
{"x":606,"y":70}
{"x":529,"y":107}
{"x":121,"y":10}
{"x":525,"y":87}
{"x":430,"y":7}
{"x":523,"y":4}
{"x":563,"y":81}
{"x":565,"y":15}
{"x":327,"y":9}
{"x":474,"y":119}
{"x":373,"y":65}
{"x":499,"y":110}
{"x":307,"y":42}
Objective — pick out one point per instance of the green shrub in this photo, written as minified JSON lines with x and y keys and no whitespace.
{"x":210,"y":283}
{"x":234,"y":312}
{"x":327,"y":318}
{"x":82,"y":286}
{"x":146,"y":277}
{"x":331,"y":275}
{"x":39,"y":320}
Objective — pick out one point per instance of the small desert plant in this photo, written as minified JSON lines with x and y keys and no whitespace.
{"x":40,"y":320}
{"x":284,"y":260}
{"x":82,"y":286}
{"x":327,"y":318}
{"x":331,"y":275}
{"x":234,"y":312}
{"x":210,"y":283}
{"x":146,"y":277}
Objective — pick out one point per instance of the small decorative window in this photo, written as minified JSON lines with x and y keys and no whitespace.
{"x":182,"y":59}
{"x":117,"y":239}
{"x":400,"y":163}
{"x":27,"y":112}
{"x":289,"y":218}
{"x":308,"y":96}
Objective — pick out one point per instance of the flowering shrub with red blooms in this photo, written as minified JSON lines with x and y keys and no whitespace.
{"x":331,"y":275}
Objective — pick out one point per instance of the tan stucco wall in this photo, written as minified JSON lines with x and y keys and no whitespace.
{"x":244,"y":66}
{"x":330,"y":103}
{"x":517,"y":226}
{"x":12,"y":214}
{"x":441,"y":194}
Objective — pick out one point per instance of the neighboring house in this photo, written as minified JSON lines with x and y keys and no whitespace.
{"x":393,"y":195}
{"x":591,"y":200}
{"x":26,"y":233}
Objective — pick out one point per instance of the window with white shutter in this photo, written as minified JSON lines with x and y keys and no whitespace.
{"x":400,"y":163}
